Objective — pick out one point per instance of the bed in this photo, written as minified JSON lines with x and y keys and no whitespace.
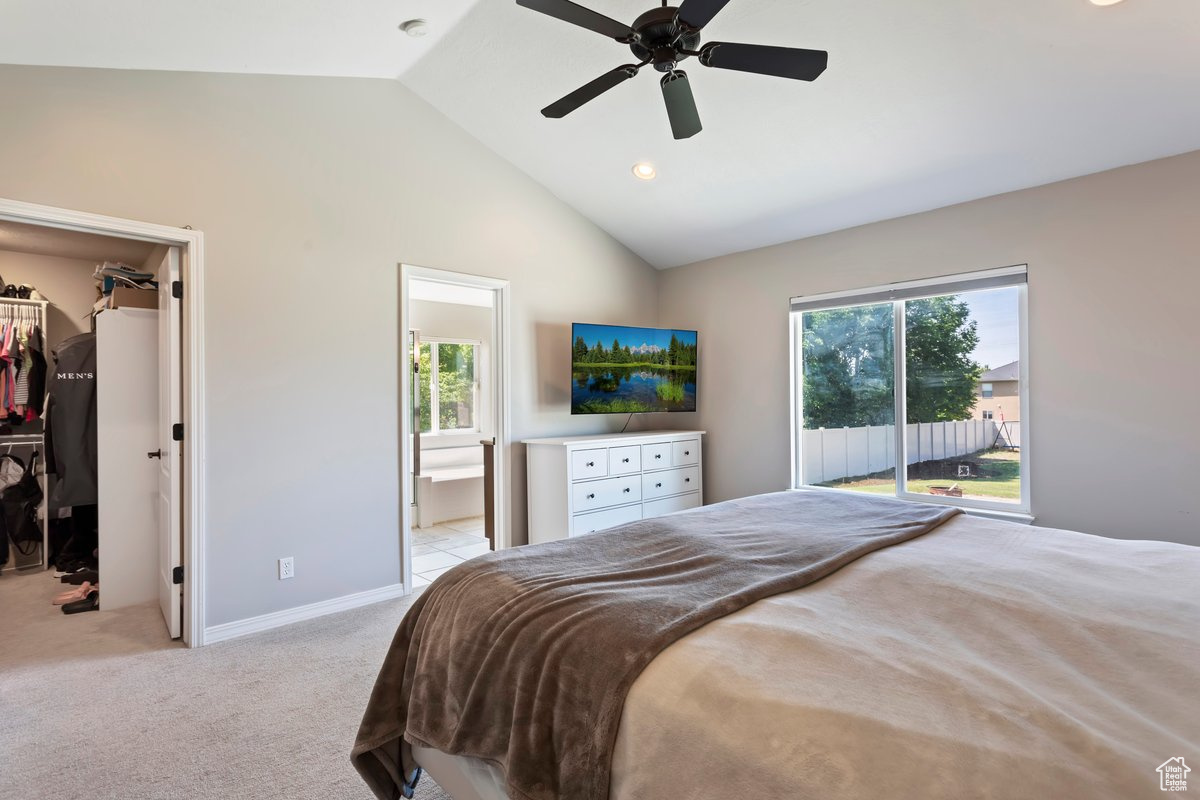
{"x":964,"y":658}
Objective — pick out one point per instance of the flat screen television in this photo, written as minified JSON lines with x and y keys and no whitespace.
{"x":621,"y":370}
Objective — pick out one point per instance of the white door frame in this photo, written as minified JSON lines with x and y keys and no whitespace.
{"x":502,"y":477}
{"x":191,"y":244}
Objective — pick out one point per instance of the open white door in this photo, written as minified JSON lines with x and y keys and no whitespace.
{"x":170,"y":530}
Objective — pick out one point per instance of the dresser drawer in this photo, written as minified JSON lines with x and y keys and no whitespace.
{"x":656,"y":456}
{"x":589,"y":464}
{"x":669,"y":505}
{"x":675,"y":481}
{"x":608,"y":492}
{"x":624,"y":460}
{"x":582,"y":524}
{"x":685,"y":452}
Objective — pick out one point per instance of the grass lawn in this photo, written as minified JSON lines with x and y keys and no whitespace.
{"x":999,"y":477}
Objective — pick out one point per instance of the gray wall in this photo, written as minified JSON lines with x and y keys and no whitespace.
{"x":1113,"y":288}
{"x":310,"y":191}
{"x":66,"y":282}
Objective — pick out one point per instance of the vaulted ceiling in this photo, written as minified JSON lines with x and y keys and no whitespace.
{"x":924,"y":104}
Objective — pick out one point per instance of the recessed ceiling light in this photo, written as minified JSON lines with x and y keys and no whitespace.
{"x":1105,"y":2}
{"x":645,"y":171}
{"x":415,"y":27}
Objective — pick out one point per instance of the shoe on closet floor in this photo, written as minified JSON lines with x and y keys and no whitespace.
{"x":76,"y":578}
{"x":79,"y":593}
{"x":89,"y":603}
{"x":71,"y":567}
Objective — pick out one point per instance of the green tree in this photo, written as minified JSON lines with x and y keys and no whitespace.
{"x":579,"y":353}
{"x":456,"y":386}
{"x":848,"y":356}
{"x":940,"y":337}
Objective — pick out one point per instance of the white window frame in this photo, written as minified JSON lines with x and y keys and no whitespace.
{"x":434,"y":404}
{"x":898,"y":294}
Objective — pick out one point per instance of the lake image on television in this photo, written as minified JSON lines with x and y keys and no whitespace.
{"x":620,"y":370}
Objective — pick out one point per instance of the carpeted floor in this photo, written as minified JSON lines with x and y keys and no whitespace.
{"x":103,"y":706}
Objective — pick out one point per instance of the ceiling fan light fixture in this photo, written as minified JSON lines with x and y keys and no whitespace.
{"x":664,"y":37}
{"x":644,"y":171}
{"x":415,"y":28}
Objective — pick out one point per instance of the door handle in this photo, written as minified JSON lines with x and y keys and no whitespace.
{"x":156,"y":454}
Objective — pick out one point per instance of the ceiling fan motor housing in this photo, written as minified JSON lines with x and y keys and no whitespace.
{"x":661,"y":37}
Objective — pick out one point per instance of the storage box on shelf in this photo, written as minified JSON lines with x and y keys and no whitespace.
{"x":583,"y":484}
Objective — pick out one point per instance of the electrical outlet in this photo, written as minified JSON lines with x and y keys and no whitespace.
{"x":287,"y":568}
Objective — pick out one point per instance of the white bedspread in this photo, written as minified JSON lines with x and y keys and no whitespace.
{"x":983,"y":660}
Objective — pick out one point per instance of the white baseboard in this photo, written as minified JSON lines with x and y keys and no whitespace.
{"x":276,"y":619}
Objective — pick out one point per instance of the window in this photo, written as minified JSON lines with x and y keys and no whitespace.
{"x":912,"y":352}
{"x":449,"y":386}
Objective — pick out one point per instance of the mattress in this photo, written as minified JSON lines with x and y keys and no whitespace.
{"x":983,"y":659}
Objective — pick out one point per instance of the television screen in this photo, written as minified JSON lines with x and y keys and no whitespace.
{"x":620,"y":370}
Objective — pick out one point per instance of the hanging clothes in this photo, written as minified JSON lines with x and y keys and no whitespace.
{"x":71,"y":422}
{"x":24,"y":362}
{"x":37,"y":372}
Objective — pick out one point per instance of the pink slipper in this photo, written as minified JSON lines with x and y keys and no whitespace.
{"x":75,"y":594}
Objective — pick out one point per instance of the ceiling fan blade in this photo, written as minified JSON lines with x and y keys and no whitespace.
{"x":698,"y":13}
{"x":590,"y":91}
{"x":583,"y":17}
{"x":681,"y":105}
{"x":785,"y":62}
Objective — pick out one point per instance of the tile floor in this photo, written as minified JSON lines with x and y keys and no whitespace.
{"x":440,"y":547}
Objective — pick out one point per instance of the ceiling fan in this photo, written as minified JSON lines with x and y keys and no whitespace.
{"x":664,"y":37}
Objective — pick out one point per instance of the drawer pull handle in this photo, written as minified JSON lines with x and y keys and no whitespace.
{"x":687,"y":480}
{"x":624,"y":460}
{"x":687,"y":452}
{"x":627,"y":490}
{"x":658,"y":486}
{"x":591,"y":463}
{"x":591,"y":497}
{"x":658,"y":455}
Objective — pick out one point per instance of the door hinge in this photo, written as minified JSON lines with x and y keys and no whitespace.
{"x":177,"y":290}
{"x":177,"y":575}
{"x":177,"y":432}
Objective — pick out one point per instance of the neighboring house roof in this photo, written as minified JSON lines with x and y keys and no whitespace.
{"x":1008,"y":372}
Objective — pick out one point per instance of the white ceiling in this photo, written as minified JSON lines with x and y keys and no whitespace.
{"x":453,"y":293}
{"x":19,"y":237}
{"x":924,"y":104}
{"x":358,"y":39}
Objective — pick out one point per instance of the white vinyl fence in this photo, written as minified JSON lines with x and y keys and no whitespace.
{"x":833,"y":453}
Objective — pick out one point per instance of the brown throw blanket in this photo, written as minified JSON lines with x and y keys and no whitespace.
{"x":523,"y":658}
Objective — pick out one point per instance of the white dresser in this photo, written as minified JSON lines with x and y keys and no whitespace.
{"x":583,"y":484}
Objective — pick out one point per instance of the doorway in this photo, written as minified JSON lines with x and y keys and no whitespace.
{"x":146,"y":345}
{"x":454,"y":440}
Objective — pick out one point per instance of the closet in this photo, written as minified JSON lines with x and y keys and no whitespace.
{"x":22,"y":441}
{"x":84,"y":441}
